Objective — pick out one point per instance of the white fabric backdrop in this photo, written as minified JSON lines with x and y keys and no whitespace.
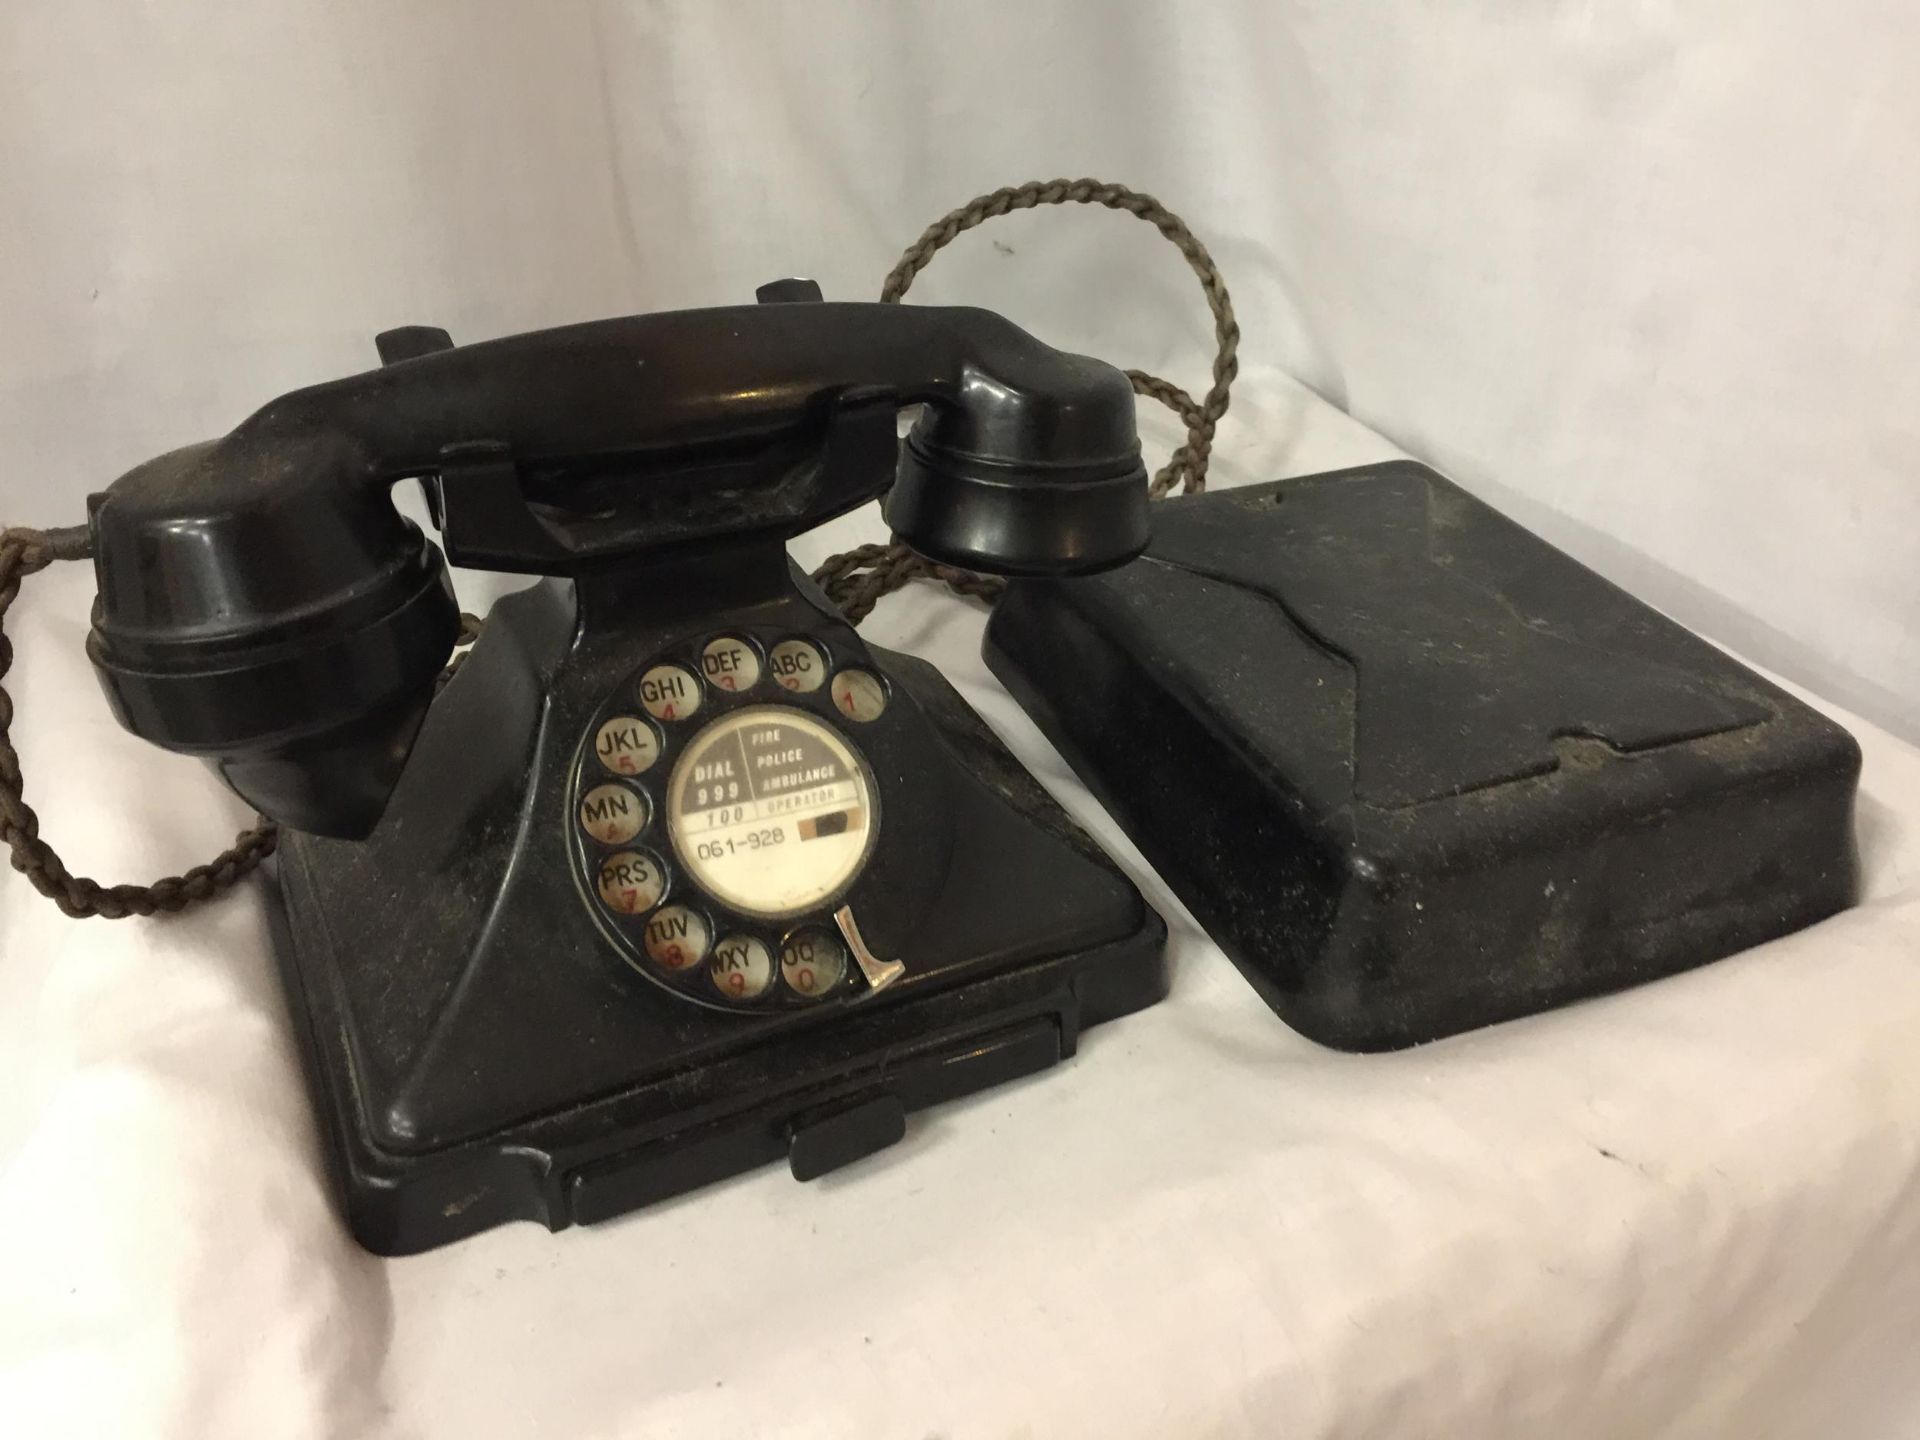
{"x":1648,"y":275}
{"x":1643,"y":275}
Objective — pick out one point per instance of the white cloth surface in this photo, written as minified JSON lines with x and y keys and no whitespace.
{"x":1689,"y":1210}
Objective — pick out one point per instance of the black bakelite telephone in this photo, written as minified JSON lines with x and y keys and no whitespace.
{"x":677,"y":875}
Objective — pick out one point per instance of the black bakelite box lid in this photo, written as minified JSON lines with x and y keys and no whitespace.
{"x":1414,"y":769}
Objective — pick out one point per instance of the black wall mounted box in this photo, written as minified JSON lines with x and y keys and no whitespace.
{"x":1416,"y":770}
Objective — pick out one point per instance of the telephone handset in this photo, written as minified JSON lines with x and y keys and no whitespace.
{"x":262,"y":603}
{"x":677,"y":874}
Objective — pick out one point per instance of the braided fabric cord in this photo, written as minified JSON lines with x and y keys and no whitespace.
{"x":854,"y":580}
{"x":26,"y":552}
{"x":23,"y":553}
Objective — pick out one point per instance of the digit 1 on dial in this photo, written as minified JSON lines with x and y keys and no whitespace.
{"x":859,"y":695}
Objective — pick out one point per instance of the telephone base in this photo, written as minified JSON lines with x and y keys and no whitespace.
{"x":478,"y":1052}
{"x":581,"y":1169}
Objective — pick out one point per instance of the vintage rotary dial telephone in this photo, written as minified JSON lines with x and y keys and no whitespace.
{"x":676,"y":875}
{"x":671,"y":874}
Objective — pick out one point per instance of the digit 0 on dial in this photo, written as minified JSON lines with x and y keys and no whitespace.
{"x":770,"y":811}
{"x":812,"y":963}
